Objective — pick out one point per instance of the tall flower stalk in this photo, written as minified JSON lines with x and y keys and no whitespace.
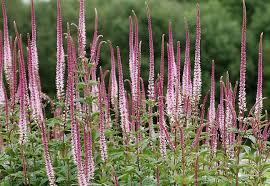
{"x":75,"y":130}
{"x":151,"y":80}
{"x":114,"y":85}
{"x":22,"y":95}
{"x":122,"y":98}
{"x":34,"y":40}
{"x":82,"y":30}
{"x":197,"y":79}
{"x":102,"y":139}
{"x":259,"y":98}
{"x":212,"y":111}
{"x":60,"y":64}
{"x":242,"y":84}
{"x":35,"y":100}
{"x":7,"y":48}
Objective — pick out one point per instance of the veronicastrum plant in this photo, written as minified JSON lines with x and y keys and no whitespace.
{"x":106,"y":130}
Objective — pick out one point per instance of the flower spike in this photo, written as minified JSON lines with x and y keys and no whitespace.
{"x":197,"y":81}
{"x":242,"y":85}
{"x":60,"y":65}
{"x":82,"y":31}
{"x":151,"y":87}
{"x":259,"y":98}
{"x":7,"y":49}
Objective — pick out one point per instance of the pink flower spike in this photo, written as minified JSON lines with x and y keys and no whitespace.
{"x":7,"y":49}
{"x":186,"y":85}
{"x":259,"y":98}
{"x":95,"y":39}
{"x":82,"y":31}
{"x":197,"y":81}
{"x":36,"y":105}
{"x":162,"y":136}
{"x":178,"y":81}
{"x":122,"y":97}
{"x":161,"y":68}
{"x":22,"y":96}
{"x":212,"y":111}
{"x":102,"y":139}
{"x":170,"y":97}
{"x":151,"y":85}
{"x":75,"y":133}
{"x":221,"y":115}
{"x":242,"y":85}
{"x":34,"y":39}
{"x":60,"y":65}
{"x":171,"y":48}
{"x":114,"y":86}
{"x":22,"y":91}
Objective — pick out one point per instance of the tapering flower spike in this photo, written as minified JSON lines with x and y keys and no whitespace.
{"x":22,"y":90}
{"x":212,"y":111}
{"x":259,"y":98}
{"x":102,"y":139}
{"x":151,"y":80}
{"x":14,"y":77}
{"x":161,"y":68}
{"x":197,"y":79}
{"x":23,"y":104}
{"x":162,"y":136}
{"x":22,"y":96}
{"x":94,"y":40}
{"x":36,"y":105}
{"x":170,"y":97}
{"x":75,"y":132}
{"x":89,"y":164}
{"x":122,"y":97}
{"x":34,"y":39}
{"x":242,"y":85}
{"x":151,"y":83}
{"x":82,"y":30}
{"x":171,"y":48}
{"x":178,"y":81}
{"x":186,"y":85}
{"x":134,"y":55}
{"x":221,"y":116}
{"x":114,"y":86}
{"x":7,"y":50}
{"x":60,"y":64}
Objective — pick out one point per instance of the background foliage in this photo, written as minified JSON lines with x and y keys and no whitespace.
{"x":221,"y":33}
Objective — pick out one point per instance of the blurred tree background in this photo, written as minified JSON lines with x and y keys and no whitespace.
{"x":221,"y":22}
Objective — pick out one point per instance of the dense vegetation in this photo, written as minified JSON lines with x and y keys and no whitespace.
{"x":147,"y":120}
